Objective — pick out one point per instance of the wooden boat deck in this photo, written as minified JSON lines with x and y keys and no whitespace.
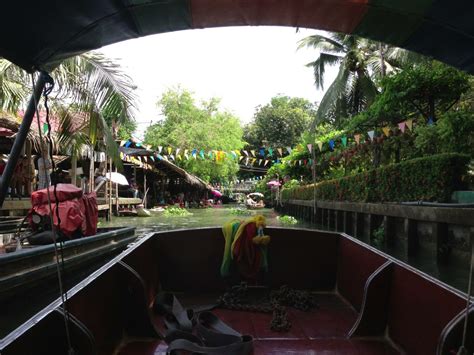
{"x":322,"y":330}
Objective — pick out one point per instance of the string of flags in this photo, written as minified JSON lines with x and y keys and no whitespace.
{"x":262,"y":156}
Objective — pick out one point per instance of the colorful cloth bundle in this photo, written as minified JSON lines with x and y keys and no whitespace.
{"x":246,"y":244}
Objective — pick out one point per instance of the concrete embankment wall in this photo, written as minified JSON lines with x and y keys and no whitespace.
{"x":440,"y":233}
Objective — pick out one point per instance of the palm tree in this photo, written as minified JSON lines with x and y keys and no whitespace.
{"x":89,"y":85}
{"x":361,"y":63}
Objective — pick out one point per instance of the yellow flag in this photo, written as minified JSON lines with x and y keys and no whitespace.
{"x":386,"y":130}
{"x":409,"y":124}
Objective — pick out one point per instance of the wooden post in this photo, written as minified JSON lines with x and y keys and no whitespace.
{"x":74,"y":170}
{"x":116,"y":196}
{"x":144,"y":188}
{"x":91,"y":171}
{"x":111,"y":191}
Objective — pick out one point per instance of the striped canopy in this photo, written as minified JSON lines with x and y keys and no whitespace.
{"x":36,"y":34}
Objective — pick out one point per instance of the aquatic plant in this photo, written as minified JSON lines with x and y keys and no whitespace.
{"x":240,"y":211}
{"x":176,"y":211}
{"x":288,"y":220}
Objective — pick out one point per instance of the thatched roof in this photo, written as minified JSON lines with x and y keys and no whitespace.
{"x":167,"y":167}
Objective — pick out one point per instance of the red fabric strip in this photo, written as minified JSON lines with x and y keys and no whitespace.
{"x":332,"y":15}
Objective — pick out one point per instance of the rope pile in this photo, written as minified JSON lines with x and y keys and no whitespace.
{"x":237,"y":298}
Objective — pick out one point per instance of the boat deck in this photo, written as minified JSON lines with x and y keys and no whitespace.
{"x":321,"y":330}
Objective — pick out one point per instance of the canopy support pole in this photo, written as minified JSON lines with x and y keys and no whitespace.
{"x":21,"y":136}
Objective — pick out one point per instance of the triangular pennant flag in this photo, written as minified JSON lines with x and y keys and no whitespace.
{"x":331,"y":144}
{"x":357,"y":138}
{"x":288,"y":149}
{"x":344,"y":141}
{"x":170,"y":150}
{"x":299,"y":162}
{"x":260,"y":161}
{"x":201,"y":153}
{"x":280,"y":151}
{"x":320,"y":146}
{"x":409,"y":124}
{"x":160,"y":148}
{"x":386,"y":130}
{"x":233,"y":155}
{"x":270,"y":151}
{"x":179,"y":157}
{"x":253,"y":152}
{"x":241,"y":157}
{"x":266,"y":162}
{"x":262,"y":152}
{"x":247,"y":161}
{"x":152,"y":158}
{"x":122,"y":143}
{"x":371,"y":135}
{"x":177,"y":150}
{"x":127,"y":144}
{"x":402,"y":126}
{"x":171,"y":157}
{"x":246,"y":153}
{"x":310,"y":147}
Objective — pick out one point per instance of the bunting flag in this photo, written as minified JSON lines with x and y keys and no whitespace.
{"x":331,"y":144}
{"x":246,"y":153}
{"x":430,"y":121}
{"x":127,"y":144}
{"x":177,"y":151}
{"x":386,"y":130}
{"x":344,"y":141}
{"x":210,"y":155}
{"x":171,"y":157}
{"x":178,"y":157}
{"x":280,"y":151}
{"x":357,"y":138}
{"x":160,"y":148}
{"x":402,"y":126}
{"x":266,"y":162}
{"x":409,"y":124}
{"x":247,"y":161}
{"x":371,"y":135}
{"x":148,"y":147}
{"x":194,"y":153}
{"x":310,"y":147}
{"x":289,"y":149}
{"x":186,"y":152}
{"x":201,"y":153}
{"x":233,"y":155}
{"x":253,"y":152}
{"x":260,"y":161}
{"x":299,"y":162}
{"x":122,"y":143}
{"x":170,"y":150}
{"x":152,"y":158}
{"x":262,"y":152}
{"x":320,"y":146}
{"x":240,"y":158}
{"x":270,"y":151}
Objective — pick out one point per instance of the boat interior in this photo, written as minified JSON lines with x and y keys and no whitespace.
{"x":368,"y":302}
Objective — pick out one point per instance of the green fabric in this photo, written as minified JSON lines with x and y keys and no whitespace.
{"x":391,"y":21}
{"x":228,"y":230}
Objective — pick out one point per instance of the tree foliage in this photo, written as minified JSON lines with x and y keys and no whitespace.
{"x":280,"y":123}
{"x":203,"y":126}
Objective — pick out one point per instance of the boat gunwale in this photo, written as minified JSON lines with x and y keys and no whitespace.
{"x":28,"y":324}
{"x":45,"y":249}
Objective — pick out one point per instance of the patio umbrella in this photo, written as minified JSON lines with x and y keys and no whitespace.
{"x":117,"y":178}
{"x":273,"y":183}
{"x":216,"y":193}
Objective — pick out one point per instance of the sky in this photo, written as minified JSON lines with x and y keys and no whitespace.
{"x":243,"y":66}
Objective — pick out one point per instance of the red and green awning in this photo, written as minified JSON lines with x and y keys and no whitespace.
{"x":36,"y":34}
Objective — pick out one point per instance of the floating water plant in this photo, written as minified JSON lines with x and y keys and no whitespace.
{"x":240,"y":211}
{"x":288,"y":220}
{"x":176,"y":211}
